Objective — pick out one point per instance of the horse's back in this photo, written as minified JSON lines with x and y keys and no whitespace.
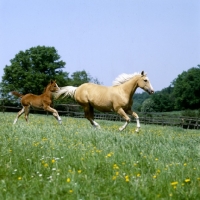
{"x":96,"y":95}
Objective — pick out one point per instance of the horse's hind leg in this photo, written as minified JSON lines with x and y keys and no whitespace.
{"x":89,"y":114}
{"x":18,"y":115}
{"x":55,"y":113}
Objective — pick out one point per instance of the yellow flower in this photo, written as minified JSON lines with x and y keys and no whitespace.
{"x":68,"y":180}
{"x":115,"y":166}
{"x":127,"y":178}
{"x":138,"y":175}
{"x":154,"y":176}
{"x":185,"y":164}
{"x":53,"y":161}
{"x":174,"y":183}
{"x":114,"y":177}
{"x":70,"y":191}
{"x":156,"y":159}
{"x":117,"y":173}
{"x":20,"y":178}
{"x":79,"y":171}
{"x":45,"y":165}
{"x":187,"y":180}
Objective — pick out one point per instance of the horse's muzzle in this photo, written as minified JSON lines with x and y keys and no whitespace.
{"x":150,"y":91}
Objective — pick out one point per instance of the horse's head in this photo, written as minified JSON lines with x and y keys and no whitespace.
{"x":145,"y":84}
{"x":53,"y":87}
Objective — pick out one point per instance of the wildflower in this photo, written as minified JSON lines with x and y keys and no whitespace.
{"x":174,"y":183}
{"x":187,"y":180}
{"x":114,"y":177}
{"x":138,"y":175}
{"x":79,"y":171}
{"x":154,"y":176}
{"x":185,"y":164}
{"x":68,"y":180}
{"x":53,"y":160}
{"x":117,"y":173}
{"x":70,"y":191}
{"x":20,"y":178}
{"x":115,"y":166}
{"x":156,"y":159}
{"x":46,"y":165}
{"x":126,"y":178}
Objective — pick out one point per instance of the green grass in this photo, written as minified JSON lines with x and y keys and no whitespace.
{"x":45,"y":160}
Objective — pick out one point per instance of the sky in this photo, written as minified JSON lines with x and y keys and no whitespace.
{"x":106,"y":37}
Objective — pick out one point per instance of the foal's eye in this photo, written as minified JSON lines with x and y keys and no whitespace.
{"x":145,"y":80}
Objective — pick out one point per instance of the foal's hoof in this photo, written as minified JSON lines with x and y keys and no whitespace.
{"x":60,"y":121}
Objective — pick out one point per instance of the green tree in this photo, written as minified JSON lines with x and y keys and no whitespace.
{"x":138,"y":99}
{"x":80,"y":77}
{"x":30,"y":71}
{"x":187,"y":89}
{"x":147,"y":105}
{"x":163,"y":100}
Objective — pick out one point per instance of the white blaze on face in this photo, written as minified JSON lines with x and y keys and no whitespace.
{"x":150,"y":84}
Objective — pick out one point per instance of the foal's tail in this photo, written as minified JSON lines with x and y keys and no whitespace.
{"x":67,"y":91}
{"x":17,"y":94}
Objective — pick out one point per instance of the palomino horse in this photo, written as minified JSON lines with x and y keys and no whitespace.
{"x":42,"y":101}
{"x":116,"y":98}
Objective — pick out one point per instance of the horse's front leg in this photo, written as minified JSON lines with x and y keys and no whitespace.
{"x":122,"y":113}
{"x":130,"y":112}
{"x":55,"y":113}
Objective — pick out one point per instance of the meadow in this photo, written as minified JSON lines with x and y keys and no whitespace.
{"x":45,"y":160}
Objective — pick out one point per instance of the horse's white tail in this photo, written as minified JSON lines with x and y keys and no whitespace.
{"x":67,"y":91}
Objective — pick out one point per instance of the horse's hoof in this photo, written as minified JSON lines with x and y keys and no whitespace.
{"x":60,"y":122}
{"x":121,"y":128}
{"x":137,"y":130}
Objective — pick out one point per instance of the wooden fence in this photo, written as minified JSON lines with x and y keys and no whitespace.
{"x":145,"y":118}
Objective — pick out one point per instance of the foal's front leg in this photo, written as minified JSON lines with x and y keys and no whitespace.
{"x":55,"y":113}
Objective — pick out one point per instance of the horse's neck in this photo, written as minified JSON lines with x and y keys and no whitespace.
{"x":130,"y":86}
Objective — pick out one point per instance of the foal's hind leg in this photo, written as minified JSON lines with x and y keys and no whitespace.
{"x":89,"y":114}
{"x":26,"y":110}
{"x":18,"y":115}
{"x":55,"y":113}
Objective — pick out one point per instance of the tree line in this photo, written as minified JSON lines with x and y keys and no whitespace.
{"x":31,"y":70}
{"x":182,"y":94}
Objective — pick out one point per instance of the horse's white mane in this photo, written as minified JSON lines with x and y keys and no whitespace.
{"x":122,"y":78}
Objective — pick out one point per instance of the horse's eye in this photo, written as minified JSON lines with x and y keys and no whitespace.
{"x":145,"y":80}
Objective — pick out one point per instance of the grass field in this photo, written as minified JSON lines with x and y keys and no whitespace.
{"x":45,"y":160}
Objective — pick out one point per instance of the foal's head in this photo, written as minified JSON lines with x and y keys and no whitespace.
{"x":145,"y":84}
{"x":53,"y":87}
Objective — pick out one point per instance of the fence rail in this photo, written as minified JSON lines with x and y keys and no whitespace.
{"x":145,"y":118}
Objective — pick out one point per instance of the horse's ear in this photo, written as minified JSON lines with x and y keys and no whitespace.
{"x":142,"y":73}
